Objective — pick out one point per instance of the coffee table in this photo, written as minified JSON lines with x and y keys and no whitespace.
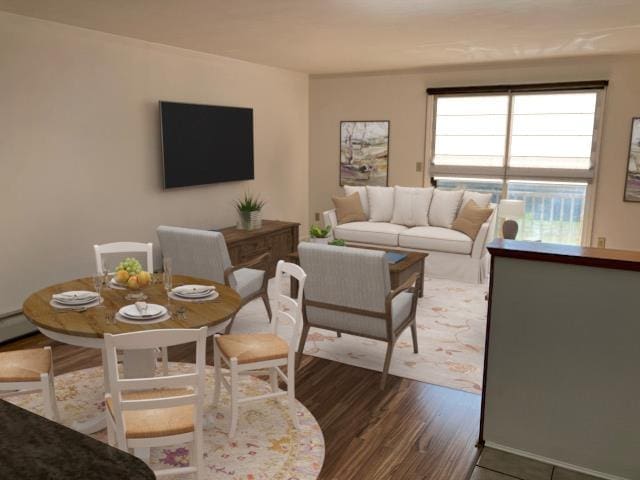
{"x":399,"y":272}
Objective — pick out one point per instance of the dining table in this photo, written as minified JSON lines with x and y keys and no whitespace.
{"x":86,"y":327}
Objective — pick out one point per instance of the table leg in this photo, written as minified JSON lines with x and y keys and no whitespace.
{"x":421,"y":281}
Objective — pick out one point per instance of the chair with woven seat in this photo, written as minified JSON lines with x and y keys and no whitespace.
{"x":204,"y":254}
{"x":157,"y":411}
{"x":349,"y":291}
{"x":22,"y":371}
{"x":262,"y":353}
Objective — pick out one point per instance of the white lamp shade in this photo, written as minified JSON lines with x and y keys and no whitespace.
{"x":511,"y":209}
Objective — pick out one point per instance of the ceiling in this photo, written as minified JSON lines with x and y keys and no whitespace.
{"x":339,"y":36}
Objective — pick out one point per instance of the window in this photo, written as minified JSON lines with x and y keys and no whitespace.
{"x":537,"y":146}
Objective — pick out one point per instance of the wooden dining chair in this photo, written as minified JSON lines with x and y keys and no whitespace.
{"x":22,"y":371}
{"x":262,"y":353}
{"x":157,"y":411}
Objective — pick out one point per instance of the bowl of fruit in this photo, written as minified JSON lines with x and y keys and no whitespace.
{"x":129,"y":274}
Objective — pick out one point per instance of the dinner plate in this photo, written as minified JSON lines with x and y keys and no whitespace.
{"x":75,"y":297}
{"x":193,"y":291}
{"x":153,"y":311}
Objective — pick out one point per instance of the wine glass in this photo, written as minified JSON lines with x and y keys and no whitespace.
{"x":105,"y":272}
{"x":98,"y":281}
{"x":168,"y":285}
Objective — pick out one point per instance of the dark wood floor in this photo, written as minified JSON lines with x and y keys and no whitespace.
{"x":411,"y":430}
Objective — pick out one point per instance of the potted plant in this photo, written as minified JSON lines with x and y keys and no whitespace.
{"x":319,"y":234}
{"x":249,"y":212}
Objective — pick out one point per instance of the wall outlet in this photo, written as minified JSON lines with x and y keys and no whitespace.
{"x":602,"y":242}
{"x":317,"y":216}
{"x":418,"y":166}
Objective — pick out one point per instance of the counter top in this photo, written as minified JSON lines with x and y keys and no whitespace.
{"x":33,"y":447}
{"x":570,"y":254}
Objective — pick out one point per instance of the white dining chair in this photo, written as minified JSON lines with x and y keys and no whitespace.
{"x":123,"y":247}
{"x":262,"y":353}
{"x":23,"y":371}
{"x":130,"y":247}
{"x":160,"y":410}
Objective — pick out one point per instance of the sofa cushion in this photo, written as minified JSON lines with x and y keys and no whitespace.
{"x":379,"y":233}
{"x":471,"y":218}
{"x":364,"y":198}
{"x":411,"y":206}
{"x":444,"y":207}
{"x":349,"y":208}
{"x":481,"y":199}
{"x":380,"y":203}
{"x":437,"y":239}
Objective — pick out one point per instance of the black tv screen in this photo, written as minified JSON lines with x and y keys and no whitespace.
{"x":204,"y":144}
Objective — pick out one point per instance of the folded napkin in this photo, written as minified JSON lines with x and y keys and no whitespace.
{"x":193,"y":289}
{"x":79,"y":295}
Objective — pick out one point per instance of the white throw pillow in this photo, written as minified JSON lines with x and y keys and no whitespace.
{"x":364,"y":198}
{"x":481,"y":199}
{"x":380,"y":203}
{"x":411,"y":206}
{"x":444,"y":207}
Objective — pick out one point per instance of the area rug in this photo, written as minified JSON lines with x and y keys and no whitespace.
{"x":451,"y":321}
{"x":266,"y":445}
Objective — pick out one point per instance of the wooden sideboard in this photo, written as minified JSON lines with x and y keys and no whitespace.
{"x":276,"y":237}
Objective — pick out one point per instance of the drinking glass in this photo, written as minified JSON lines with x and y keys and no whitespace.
{"x":105,"y":272}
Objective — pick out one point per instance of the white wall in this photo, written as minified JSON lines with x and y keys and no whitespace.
{"x":80,"y":145}
{"x":401,"y":98}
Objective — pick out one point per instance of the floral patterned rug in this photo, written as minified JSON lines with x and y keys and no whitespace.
{"x":266,"y":445}
{"x":451,"y":332}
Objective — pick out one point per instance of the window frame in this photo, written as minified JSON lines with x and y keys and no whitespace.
{"x":506,"y":172}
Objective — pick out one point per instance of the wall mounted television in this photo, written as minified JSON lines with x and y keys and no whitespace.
{"x":203,"y":144}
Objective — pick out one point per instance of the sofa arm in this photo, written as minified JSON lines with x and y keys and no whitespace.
{"x":330,"y":219}
{"x":485,"y":235}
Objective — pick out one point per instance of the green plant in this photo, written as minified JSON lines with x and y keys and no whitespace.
{"x":316,"y":231}
{"x":338,"y":242}
{"x":250,"y":203}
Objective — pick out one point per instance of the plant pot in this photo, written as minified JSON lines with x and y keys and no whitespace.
{"x":320,"y":240}
{"x":249,"y":220}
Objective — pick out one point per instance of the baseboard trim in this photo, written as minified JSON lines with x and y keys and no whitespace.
{"x":553,"y":461}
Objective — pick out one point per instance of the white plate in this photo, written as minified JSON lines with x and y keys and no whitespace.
{"x":193,"y":291}
{"x":75,"y":297}
{"x":153,"y":311}
{"x":116,"y":285}
{"x":207,"y":298}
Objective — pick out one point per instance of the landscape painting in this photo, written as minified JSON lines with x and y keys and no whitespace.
{"x":632,"y":186}
{"x":364,"y":153}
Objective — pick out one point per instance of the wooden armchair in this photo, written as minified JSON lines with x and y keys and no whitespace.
{"x":204,"y":254}
{"x":348,"y":290}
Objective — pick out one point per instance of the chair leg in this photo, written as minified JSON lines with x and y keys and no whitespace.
{"x":197,"y":453}
{"x":291,"y":389}
{"x":234,"y":397}
{"x":303,"y":340}
{"x":267,"y":305}
{"x":227,"y":330}
{"x":273,"y":378}
{"x":217,"y":368}
{"x":414,"y":335}
{"x":339,"y":334}
{"x":387,"y":362}
{"x":48,"y":397}
{"x":111,"y":437}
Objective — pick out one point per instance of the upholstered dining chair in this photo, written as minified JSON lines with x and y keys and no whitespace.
{"x":204,"y":254}
{"x":262,"y":353}
{"x":349,"y":291}
{"x":159,"y":410}
{"x":22,"y":371}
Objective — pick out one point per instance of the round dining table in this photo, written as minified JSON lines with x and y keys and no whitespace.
{"x":86,"y":327}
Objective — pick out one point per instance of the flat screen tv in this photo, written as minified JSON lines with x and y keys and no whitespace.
{"x":204,"y":144}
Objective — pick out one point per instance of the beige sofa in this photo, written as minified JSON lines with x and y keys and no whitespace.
{"x":452,"y":254}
